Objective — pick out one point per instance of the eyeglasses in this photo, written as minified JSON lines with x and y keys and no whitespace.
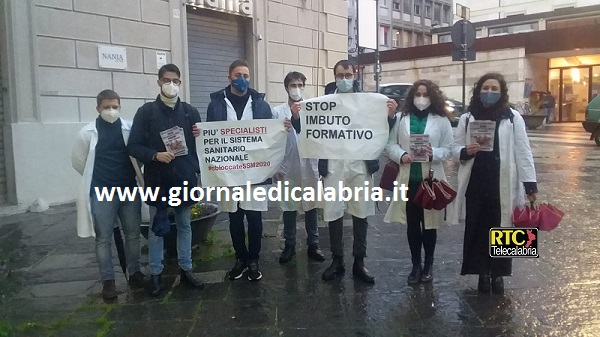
{"x":168,"y":81}
{"x":347,"y":76}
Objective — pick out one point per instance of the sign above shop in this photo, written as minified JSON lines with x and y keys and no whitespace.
{"x":238,"y":7}
{"x":111,"y":57}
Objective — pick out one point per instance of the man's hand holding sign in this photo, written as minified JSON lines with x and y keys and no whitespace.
{"x":345,"y":126}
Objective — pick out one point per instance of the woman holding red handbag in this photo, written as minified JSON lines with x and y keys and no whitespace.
{"x":424,"y":114}
{"x":492,"y":181}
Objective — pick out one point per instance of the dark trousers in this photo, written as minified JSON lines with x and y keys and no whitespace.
{"x":415,"y":230}
{"x":311,"y":221}
{"x":238,"y":234}
{"x":336,"y":237}
{"x":482,"y":213}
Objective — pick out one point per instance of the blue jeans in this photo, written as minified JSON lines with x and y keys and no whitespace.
{"x":104,"y":216}
{"x":184,"y":241}
{"x":310,"y":222}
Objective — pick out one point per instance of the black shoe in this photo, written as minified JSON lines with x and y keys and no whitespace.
{"x":483,"y":286}
{"x":187,"y":277}
{"x":360,"y":272}
{"x":155,"y":285}
{"x":109,"y":290}
{"x":238,"y":270}
{"x":498,"y":285}
{"x":415,"y":274}
{"x":315,"y":253}
{"x":336,"y":269}
{"x":137,"y":280}
{"x":427,"y":273}
{"x":254,"y":273}
{"x":287,"y":254}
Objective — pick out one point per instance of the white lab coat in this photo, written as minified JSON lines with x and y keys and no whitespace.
{"x":299,"y":172}
{"x":83,"y":156}
{"x":248,"y":205}
{"x":440,"y":136}
{"x":516,"y":167}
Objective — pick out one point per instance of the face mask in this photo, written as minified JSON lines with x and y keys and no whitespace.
{"x":422,"y":103}
{"x":296,"y":94}
{"x":344,"y":85}
{"x":240,"y":84}
{"x":170,"y":90}
{"x":110,"y":115}
{"x":489,"y":98}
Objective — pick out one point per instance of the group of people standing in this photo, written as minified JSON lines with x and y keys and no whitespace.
{"x":111,"y":152}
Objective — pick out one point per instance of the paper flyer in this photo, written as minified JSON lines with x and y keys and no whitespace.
{"x":482,"y":132}
{"x":174,"y":140}
{"x":418,"y":148}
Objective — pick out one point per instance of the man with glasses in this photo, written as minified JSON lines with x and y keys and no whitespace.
{"x":299,"y":172}
{"x":163,"y":169}
{"x":239,"y":102}
{"x":352,"y":173}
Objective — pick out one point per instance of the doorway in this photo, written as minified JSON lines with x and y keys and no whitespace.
{"x":572,"y":89}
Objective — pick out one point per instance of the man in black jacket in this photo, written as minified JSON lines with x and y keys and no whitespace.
{"x":351,"y":173}
{"x":239,"y":102}
{"x":165,"y":170}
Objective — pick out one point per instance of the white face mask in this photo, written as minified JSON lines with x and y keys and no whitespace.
{"x":296,"y":94}
{"x":422,"y":103}
{"x":110,"y":115}
{"x":170,"y":90}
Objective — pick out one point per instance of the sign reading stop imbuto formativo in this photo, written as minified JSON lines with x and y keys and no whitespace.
{"x":352,"y":126}
{"x":235,"y":153}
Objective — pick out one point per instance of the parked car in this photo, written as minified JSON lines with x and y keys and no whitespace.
{"x":592,"y":119}
{"x":454,"y":109}
{"x":396,"y":91}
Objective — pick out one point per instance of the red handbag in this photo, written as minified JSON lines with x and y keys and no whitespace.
{"x":389,"y":175}
{"x":434,"y":194}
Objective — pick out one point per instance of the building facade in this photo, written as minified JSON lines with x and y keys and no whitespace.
{"x":492,"y":10}
{"x":402,"y":23}
{"x":555,"y":51}
{"x":56,"y":55}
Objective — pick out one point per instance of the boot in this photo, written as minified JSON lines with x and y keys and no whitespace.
{"x":336,"y":269}
{"x":155,"y":285}
{"x":137,"y":280}
{"x":287,"y":254}
{"x":109,"y":290}
{"x":315,"y":253}
{"x":484,"y":284}
{"x":187,"y":277}
{"x":498,"y":285}
{"x":427,"y":273}
{"x":360,"y":272}
{"x":415,"y":274}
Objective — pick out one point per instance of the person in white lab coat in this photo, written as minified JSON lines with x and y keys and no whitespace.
{"x":100,"y":156}
{"x":299,"y":172}
{"x":424,"y":113}
{"x":491,"y":183}
{"x":352,"y":173}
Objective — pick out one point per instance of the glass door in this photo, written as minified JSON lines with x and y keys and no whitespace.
{"x":575,"y":93}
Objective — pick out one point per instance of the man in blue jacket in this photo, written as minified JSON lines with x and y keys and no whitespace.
{"x":165,"y":170}
{"x":238,"y":102}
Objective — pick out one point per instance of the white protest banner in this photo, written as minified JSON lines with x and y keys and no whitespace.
{"x":344,"y":126}
{"x":233,"y":153}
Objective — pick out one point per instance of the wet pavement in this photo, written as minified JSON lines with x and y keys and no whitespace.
{"x":50,"y":285}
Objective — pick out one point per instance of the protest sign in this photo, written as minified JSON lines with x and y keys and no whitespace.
{"x":482,"y":132}
{"x":233,"y":153}
{"x":350,"y":126}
